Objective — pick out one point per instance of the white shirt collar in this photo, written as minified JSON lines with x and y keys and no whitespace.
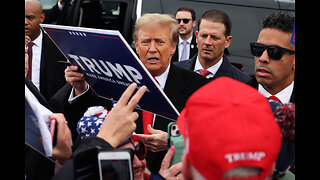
{"x":213,"y":69}
{"x":38,"y":40}
{"x":188,"y":40}
{"x":284,"y":95}
{"x":162,"y":79}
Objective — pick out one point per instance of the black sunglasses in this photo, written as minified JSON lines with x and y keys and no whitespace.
{"x":185,"y":21}
{"x":274,"y":52}
{"x":140,"y":151}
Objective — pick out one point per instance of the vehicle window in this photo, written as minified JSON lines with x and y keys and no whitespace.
{"x":103,"y":15}
{"x":47,"y":4}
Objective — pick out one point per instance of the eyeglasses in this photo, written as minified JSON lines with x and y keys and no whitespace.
{"x":274,"y":52}
{"x":185,"y":21}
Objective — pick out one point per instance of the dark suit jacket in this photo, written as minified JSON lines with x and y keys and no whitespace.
{"x":226,"y":69}
{"x":253,"y":83}
{"x":51,"y":72}
{"x":37,"y":166}
{"x":193,"y":49}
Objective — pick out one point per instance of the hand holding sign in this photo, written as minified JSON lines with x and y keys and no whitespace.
{"x":76,"y":79}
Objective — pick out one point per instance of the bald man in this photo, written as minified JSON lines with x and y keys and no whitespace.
{"x":45,"y":73}
{"x":33,"y":18}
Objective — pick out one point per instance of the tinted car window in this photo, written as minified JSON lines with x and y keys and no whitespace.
{"x":102,"y":14}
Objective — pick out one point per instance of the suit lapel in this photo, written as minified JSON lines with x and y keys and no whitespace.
{"x":189,"y":64}
{"x":193,"y":47}
{"x":174,"y":85}
{"x":174,"y":89}
{"x":225,"y":68}
{"x":44,"y":71}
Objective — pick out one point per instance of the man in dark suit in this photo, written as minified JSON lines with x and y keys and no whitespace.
{"x":186,"y":18}
{"x":44,"y":71}
{"x":274,"y":58}
{"x":213,"y":37}
{"x":274,"y":73}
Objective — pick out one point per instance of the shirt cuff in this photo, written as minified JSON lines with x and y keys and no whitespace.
{"x":73,"y":98}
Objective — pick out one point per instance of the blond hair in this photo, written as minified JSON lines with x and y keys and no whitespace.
{"x":156,"y":19}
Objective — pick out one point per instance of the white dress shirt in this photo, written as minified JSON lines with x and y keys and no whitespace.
{"x":162,"y":79}
{"x":36,"y":60}
{"x":213,"y":69}
{"x":284,"y":95}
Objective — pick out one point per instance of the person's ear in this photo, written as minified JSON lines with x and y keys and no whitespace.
{"x":42,"y":17}
{"x":197,"y":32}
{"x":228,"y":41}
{"x":294,"y":64}
{"x":194,"y":23}
{"x":137,"y":47}
{"x":173,"y":49}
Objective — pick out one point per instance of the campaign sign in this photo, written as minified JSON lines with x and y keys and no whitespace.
{"x":109,"y":65}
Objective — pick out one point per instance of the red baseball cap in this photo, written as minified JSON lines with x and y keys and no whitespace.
{"x":228,"y":124}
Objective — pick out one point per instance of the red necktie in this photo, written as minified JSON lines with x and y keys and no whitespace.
{"x":274,"y":98}
{"x":204,"y":72}
{"x":147,"y":118}
{"x":30,"y":44}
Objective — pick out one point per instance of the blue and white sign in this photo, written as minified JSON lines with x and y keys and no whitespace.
{"x":109,"y":65}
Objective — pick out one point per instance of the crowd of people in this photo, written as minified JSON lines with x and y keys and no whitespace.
{"x":226,"y":119}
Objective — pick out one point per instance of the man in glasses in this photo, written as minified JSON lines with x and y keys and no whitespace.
{"x":274,"y":58}
{"x":187,"y":45}
{"x":213,"y":37}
